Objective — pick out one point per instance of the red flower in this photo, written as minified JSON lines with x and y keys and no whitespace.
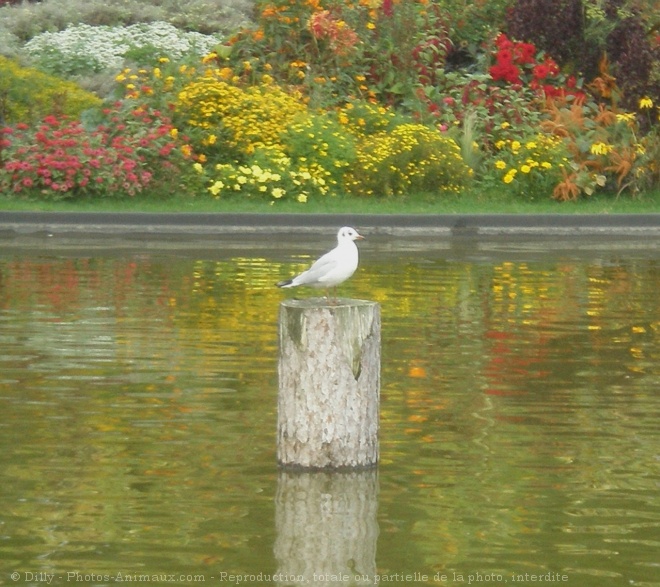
{"x":507,"y":72}
{"x":504,"y":56}
{"x":525,"y":53}
{"x":541,"y":71}
{"x":552,"y":66}
{"x":503,"y":42}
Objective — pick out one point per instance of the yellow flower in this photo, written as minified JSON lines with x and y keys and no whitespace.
{"x":511,"y":174}
{"x":198,"y":167}
{"x":505,"y":125}
{"x":302,"y":198}
{"x":515,"y":146}
{"x":211,"y":139}
{"x":546,"y":165}
{"x":525,"y":168}
{"x":225,"y":73}
{"x":186,"y":150}
{"x":626,"y":117}
{"x":157,"y":72}
{"x":216,"y":187}
{"x":646,"y":102}
{"x":174,"y":133}
{"x":277,"y":192}
{"x":371,"y":26}
{"x":499,"y":164}
{"x":163,"y":60}
{"x":601,"y":148}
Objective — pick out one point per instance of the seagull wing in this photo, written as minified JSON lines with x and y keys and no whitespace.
{"x":317,"y":272}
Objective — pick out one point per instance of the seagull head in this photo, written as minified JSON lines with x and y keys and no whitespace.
{"x":348,"y":234}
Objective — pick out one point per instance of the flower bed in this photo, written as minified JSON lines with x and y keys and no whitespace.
{"x":322,"y":97}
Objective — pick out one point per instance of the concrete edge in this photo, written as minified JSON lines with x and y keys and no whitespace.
{"x":164,"y":224}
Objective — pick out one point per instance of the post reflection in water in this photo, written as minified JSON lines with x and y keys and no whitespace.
{"x":519,"y":412}
{"x":326,"y":527}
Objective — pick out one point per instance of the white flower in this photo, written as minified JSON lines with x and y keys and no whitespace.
{"x":83,"y":48}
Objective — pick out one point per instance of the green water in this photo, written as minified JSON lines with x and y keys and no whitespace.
{"x":519,"y":437}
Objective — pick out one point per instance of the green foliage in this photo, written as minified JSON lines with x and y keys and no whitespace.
{"x":530,"y":168}
{"x":578,"y":33}
{"x":320,"y":138}
{"x":82,"y":49}
{"x":413,"y":157}
{"x":269,"y":177}
{"x":28,"y":95}
{"x":375,"y":97}
{"x":249,"y":118}
{"x":28,"y":20}
{"x":498,"y":111}
{"x":130,"y":151}
{"x":606,"y":149}
{"x":366,"y":118}
{"x":334,"y":51}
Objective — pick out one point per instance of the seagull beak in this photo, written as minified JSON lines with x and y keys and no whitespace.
{"x":359,"y":237}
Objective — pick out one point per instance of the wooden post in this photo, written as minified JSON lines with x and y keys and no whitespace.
{"x":329,"y":383}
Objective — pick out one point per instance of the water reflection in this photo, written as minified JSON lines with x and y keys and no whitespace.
{"x":518,"y":418}
{"x":326,"y":527}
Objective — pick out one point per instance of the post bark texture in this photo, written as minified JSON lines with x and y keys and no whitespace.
{"x":329,"y":383}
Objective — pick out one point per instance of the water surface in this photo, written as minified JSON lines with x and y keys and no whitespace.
{"x":519,"y":416}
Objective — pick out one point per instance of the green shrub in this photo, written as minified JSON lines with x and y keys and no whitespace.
{"x":25,"y":21}
{"x":268,"y":176}
{"x":319,"y":139}
{"x":131,"y":151}
{"x":412,"y":157}
{"x":27,"y":95}
{"x":84,"y":49}
{"x":246,"y":119}
{"x":530,"y":168}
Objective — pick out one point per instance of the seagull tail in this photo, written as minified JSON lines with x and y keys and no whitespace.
{"x":285,"y":283}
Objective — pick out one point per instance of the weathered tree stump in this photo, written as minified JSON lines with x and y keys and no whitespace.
{"x":326,"y":527}
{"x":329,"y":383}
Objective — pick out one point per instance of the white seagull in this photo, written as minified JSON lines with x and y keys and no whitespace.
{"x":334,"y":267}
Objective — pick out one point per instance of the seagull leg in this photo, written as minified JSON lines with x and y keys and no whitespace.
{"x":332,"y":300}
